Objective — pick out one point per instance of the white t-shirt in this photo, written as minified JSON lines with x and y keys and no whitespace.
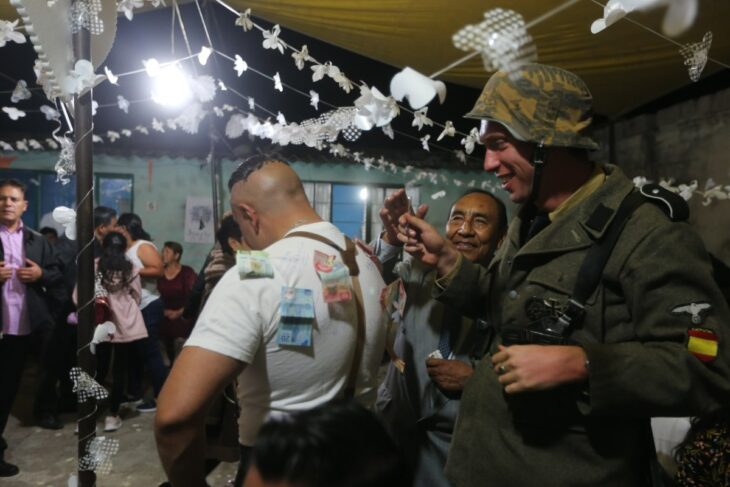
{"x":241,"y":318}
{"x":149,"y":284}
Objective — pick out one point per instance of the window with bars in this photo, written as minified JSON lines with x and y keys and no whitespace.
{"x":354,"y":209}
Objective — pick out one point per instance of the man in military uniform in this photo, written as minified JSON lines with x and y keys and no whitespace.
{"x":584,"y":353}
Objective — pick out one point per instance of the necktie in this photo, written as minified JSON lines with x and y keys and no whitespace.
{"x":445,"y":336}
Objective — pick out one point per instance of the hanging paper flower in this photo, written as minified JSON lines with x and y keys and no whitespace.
{"x":374,"y":108}
{"x":438,"y":194}
{"x":424,"y":142}
{"x":190,"y":119}
{"x":50,"y":112}
{"x":51,"y":143}
{"x":142,"y":129}
{"x":417,"y":87}
{"x":314,"y":99}
{"x":111,"y":76}
{"x":127,"y":6}
{"x":343,"y":81}
{"x":449,"y":130}
{"x":203,"y":87}
{"x":320,"y":70}
{"x":420,"y":119}
{"x":5,"y":146}
{"x":14,"y":113}
{"x":280,"y":118}
{"x":82,"y":78}
{"x":123,"y":103}
{"x":301,"y":57}
{"x":171,"y":124}
{"x":218,"y":111}
{"x":239,"y":65}
{"x":251,"y":103}
{"x":271,"y":39}
{"x":157,"y":125}
{"x":388,"y":130}
{"x":94,"y":107}
{"x":21,"y":92}
{"x":34,"y":144}
{"x":222,"y":86}
{"x":244,"y":20}
{"x":407,"y":169}
{"x":277,"y":82}
{"x":112,"y":136}
{"x":22,"y":144}
{"x":8,"y":33}
{"x":96,"y":139}
{"x":126,"y":132}
{"x":470,"y":140}
{"x":204,"y":54}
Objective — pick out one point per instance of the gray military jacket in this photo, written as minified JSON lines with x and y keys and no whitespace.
{"x":636,"y":335}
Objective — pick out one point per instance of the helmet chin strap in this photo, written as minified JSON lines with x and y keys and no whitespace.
{"x":538,"y":164}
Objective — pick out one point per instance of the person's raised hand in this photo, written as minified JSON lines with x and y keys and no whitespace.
{"x":424,"y":243}
{"x":449,"y":375}
{"x":394,"y":206}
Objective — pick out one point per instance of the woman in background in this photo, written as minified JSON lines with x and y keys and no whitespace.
{"x":144,"y":256}
{"x":174,"y":288}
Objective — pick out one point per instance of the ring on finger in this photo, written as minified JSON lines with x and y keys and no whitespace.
{"x":501,"y":369}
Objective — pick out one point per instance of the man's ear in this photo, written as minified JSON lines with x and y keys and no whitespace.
{"x":250,"y":214}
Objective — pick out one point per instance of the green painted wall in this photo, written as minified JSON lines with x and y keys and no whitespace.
{"x":160,"y":199}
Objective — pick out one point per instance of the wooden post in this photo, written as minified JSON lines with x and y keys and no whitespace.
{"x":84,"y":234}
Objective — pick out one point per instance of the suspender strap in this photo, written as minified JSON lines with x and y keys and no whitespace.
{"x":348,"y":255}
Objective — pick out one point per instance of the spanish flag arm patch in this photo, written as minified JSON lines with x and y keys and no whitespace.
{"x":702,"y":343}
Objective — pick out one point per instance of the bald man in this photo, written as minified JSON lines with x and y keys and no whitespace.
{"x":246,"y":327}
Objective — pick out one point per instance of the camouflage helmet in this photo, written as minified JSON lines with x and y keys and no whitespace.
{"x":538,"y":103}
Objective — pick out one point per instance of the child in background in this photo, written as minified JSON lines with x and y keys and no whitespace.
{"x":121,"y":281}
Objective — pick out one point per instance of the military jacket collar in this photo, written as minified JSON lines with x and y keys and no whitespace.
{"x":571,"y":231}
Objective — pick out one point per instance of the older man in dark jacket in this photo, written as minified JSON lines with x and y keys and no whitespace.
{"x":28,"y":267}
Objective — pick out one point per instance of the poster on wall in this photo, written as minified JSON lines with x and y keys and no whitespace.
{"x":199,"y":220}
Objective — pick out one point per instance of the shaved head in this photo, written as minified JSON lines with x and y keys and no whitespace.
{"x":267,"y":200}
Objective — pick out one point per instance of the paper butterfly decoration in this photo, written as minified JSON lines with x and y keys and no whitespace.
{"x":420,"y":119}
{"x":301,"y":57}
{"x":470,"y":140}
{"x":438,"y":194}
{"x":99,"y":453}
{"x":695,"y":56}
{"x":21,"y":92}
{"x":8,"y":33}
{"x":102,"y":334}
{"x":14,"y":113}
{"x":502,"y":38}
{"x":123,"y":103}
{"x":128,"y":6}
{"x":244,"y":20}
{"x":112,"y":135}
{"x":204,"y":54}
{"x":449,"y":130}
{"x":424,"y":142}
{"x":460,"y":155}
{"x":314,"y":99}
{"x":82,"y":78}
{"x":271,"y":39}
{"x":388,"y":131}
{"x":679,"y":17}
{"x":374,"y":108}
{"x":240,"y":65}
{"x":417,"y":87}
{"x":277,"y":82}
{"x":86,"y":387}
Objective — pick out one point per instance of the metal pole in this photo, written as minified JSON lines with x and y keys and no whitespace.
{"x":85,"y":260}
{"x":215,"y":178}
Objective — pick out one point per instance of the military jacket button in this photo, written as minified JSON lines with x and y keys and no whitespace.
{"x":513,"y":294}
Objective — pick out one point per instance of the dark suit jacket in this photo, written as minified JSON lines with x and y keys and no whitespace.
{"x":43,"y":296}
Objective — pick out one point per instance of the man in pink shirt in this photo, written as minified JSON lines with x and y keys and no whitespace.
{"x":28,"y":267}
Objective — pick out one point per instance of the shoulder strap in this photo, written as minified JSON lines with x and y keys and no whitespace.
{"x":348,"y":255}
{"x":591,"y":270}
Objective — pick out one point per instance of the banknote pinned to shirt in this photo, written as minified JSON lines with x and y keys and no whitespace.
{"x":296,"y":311}
{"x":253,"y":264}
{"x":335,"y":277}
